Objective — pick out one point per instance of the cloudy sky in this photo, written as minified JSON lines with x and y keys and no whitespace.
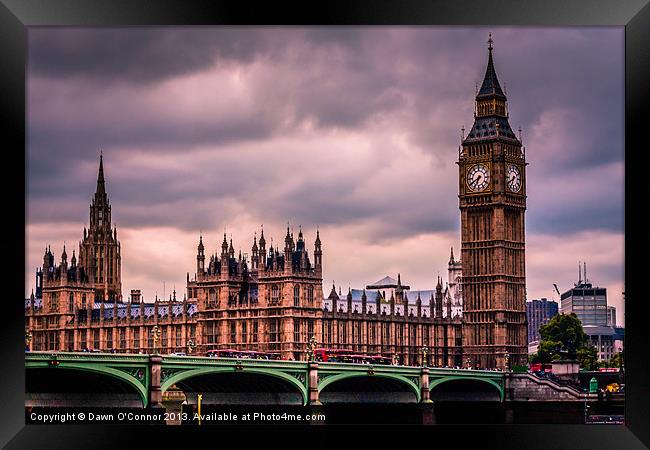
{"x":353,"y":130}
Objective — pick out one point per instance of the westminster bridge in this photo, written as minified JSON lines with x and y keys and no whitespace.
{"x":71,"y":379}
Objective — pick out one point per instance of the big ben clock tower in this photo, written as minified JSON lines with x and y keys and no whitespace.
{"x":492,"y":200}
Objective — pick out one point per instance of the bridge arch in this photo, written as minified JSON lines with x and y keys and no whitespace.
{"x":191,"y":373}
{"x":402,"y":380}
{"x":464,"y":379}
{"x":110,"y":372}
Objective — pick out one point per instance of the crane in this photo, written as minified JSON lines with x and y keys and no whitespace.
{"x":556,"y":289}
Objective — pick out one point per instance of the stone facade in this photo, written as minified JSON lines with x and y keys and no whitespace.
{"x":492,"y":200}
{"x":274,"y":302}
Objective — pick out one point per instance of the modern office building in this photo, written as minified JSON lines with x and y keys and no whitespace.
{"x":611,"y":316}
{"x":538,"y":312}
{"x":607,"y":340}
{"x":588,"y":302}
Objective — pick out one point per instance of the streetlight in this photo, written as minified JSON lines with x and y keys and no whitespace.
{"x":424,"y":350}
{"x":28,"y":340}
{"x":311,"y":349}
{"x":191,"y":345}
{"x":155,"y":331}
{"x":507,"y":360}
{"x":200,"y":397}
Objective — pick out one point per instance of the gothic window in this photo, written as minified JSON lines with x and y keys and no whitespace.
{"x":296,"y":330}
{"x":211,"y":298}
{"x":310,"y":329}
{"x":53,"y":340}
{"x":244,"y":332}
{"x":122,"y":338}
{"x":54,"y":301}
{"x":233,"y":332}
{"x":83,"y":301}
{"x":275,"y":294}
{"x":69,"y":340}
{"x":296,"y":296}
{"x":274,"y":326}
{"x":109,"y":338}
{"x":178,"y":336}
{"x":150,"y":337}
{"x":96,"y":339}
{"x":136,"y":338}
{"x":310,"y":295}
{"x":255,"y":331}
{"x":71,"y":302}
{"x":82,"y":340}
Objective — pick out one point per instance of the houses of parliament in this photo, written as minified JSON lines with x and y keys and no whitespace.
{"x":274,"y":301}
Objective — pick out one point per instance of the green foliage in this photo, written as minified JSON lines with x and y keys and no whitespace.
{"x":563,"y":338}
{"x":615,"y":361}
{"x":587,"y":357}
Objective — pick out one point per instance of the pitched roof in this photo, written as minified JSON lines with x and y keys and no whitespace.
{"x":384,"y":282}
{"x":490,"y":84}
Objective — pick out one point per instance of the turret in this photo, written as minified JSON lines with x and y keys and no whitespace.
{"x":288,"y":248}
{"x":334,"y":298}
{"x":349,"y":298}
{"x":224,"y":257}
{"x":438,"y":299}
{"x":200,"y":259}
{"x":318,"y":255}
{"x":254,"y":253}
{"x":364,"y":299}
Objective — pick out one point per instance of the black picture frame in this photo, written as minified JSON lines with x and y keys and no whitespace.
{"x":16,"y":15}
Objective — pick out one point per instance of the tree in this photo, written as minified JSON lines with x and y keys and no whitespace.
{"x":587,"y":357}
{"x":565,"y":329}
{"x":562,"y":337}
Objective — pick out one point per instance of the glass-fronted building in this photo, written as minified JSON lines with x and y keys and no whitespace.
{"x":589,"y":303}
{"x":538,"y":312}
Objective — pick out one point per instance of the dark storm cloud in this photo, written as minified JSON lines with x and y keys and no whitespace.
{"x":119,"y":90}
{"x":138,"y":55}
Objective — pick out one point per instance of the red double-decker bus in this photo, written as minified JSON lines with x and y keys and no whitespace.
{"x":348,"y":356}
{"x":539,"y":367}
{"x":241,"y":354}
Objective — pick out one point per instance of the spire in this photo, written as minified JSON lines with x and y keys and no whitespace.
{"x":262,"y":240}
{"x":490,"y":86}
{"x":333,"y":294}
{"x":399,"y":280}
{"x":100,"y":176}
{"x":200,"y":247}
{"x":451,"y":257}
{"x":255,"y":242}
{"x":224,"y":244}
{"x":317,"y":236}
{"x":64,"y":255}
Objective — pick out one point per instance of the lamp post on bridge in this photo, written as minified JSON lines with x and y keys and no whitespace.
{"x":469,"y":363}
{"x":191,"y":345}
{"x":311,"y":349}
{"x":155,"y":331}
{"x":506,"y":357}
{"x":425,"y":351}
{"x":28,"y":340}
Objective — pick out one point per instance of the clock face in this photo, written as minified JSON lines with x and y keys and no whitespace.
{"x":513,"y":179}
{"x":478,"y":178}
